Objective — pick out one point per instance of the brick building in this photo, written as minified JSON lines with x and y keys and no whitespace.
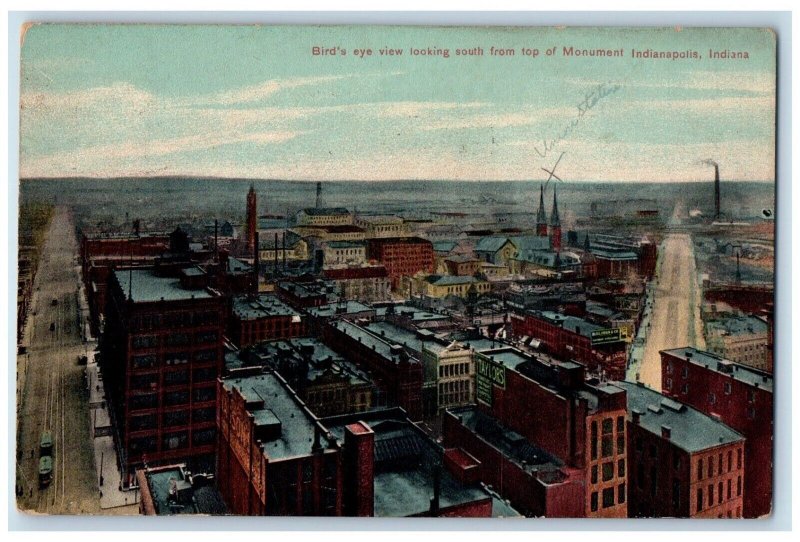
{"x":101,"y":253}
{"x":274,"y":457}
{"x":260,"y":318}
{"x":546,"y":413}
{"x":160,"y":355}
{"x":327,"y":383}
{"x":740,"y":397}
{"x":393,"y":469}
{"x":682,"y":463}
{"x":402,"y":256}
{"x":572,"y":338}
{"x":395,"y":372}
{"x":368,"y":283}
{"x":742,"y":339}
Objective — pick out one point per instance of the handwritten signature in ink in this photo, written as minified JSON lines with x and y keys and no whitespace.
{"x":590,"y":99}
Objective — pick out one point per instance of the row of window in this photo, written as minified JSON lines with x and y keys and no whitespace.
{"x":157,"y":321}
{"x":453,"y":369}
{"x":147,"y":361}
{"x":608,"y":497}
{"x":606,"y":445}
{"x":148,"y":422}
{"x":720,"y":492}
{"x":710,"y":463}
{"x":171,"y":441}
{"x":142,"y":401}
{"x":608,"y":470}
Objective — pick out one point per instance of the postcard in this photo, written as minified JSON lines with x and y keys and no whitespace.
{"x":396,"y":271}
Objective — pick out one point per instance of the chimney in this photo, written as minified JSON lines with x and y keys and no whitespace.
{"x":716,"y":191}
{"x":275,"y":267}
{"x":216,"y":243}
{"x":317,"y":446}
{"x":666,"y":432}
{"x":256,"y":262}
{"x":284,"y":251}
{"x":635,"y":416}
{"x":359,"y":461}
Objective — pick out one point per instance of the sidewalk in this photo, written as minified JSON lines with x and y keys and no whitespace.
{"x":105,"y":454}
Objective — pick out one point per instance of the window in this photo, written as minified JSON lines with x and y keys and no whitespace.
{"x":621,"y":468}
{"x":730,"y":460}
{"x":608,"y":471}
{"x":710,"y":494}
{"x":668,"y":383}
{"x":608,"y":426}
{"x":700,"y":469}
{"x":143,"y":362}
{"x":173,"y":441}
{"x":710,"y":466}
{"x":594,"y":474}
{"x":685,"y":388}
{"x":669,"y":368}
{"x":176,"y":398}
{"x":608,"y":497}
{"x":727,"y":388}
{"x":594,"y":501}
{"x":676,"y":460}
{"x":608,"y":446}
{"x":621,"y":443}
{"x":751,"y":413}
{"x":620,"y":424}
{"x":739,"y":458}
{"x":699,"y":499}
{"x":719,"y":493}
{"x":719,"y":463}
{"x":621,"y":493}
{"x":712,"y":398}
{"x":172,"y":419}
{"x":685,"y":372}
{"x":739,"y":486}
{"x":729,"y":489}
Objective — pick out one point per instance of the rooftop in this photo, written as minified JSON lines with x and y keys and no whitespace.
{"x":325,"y":211}
{"x":742,"y":373}
{"x":378,"y":344}
{"x":571,"y":323}
{"x":490,"y":244}
{"x":690,"y":429}
{"x":450,"y":280}
{"x":405,"y":461}
{"x":173,"y":492}
{"x":262,"y":306}
{"x":271,"y":400}
{"x":144,"y":286}
{"x":348,"y":307}
{"x":512,"y":445}
{"x":737,"y":325}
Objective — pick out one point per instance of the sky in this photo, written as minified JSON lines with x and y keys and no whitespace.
{"x":254,"y":102}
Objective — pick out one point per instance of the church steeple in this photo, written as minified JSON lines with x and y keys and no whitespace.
{"x":554,"y":218}
{"x":555,"y":225}
{"x":541,"y":215}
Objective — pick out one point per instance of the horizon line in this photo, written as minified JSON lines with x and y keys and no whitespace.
{"x":267,"y":179}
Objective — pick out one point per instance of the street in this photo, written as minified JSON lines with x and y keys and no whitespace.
{"x":52,"y":393}
{"x":675,"y":318}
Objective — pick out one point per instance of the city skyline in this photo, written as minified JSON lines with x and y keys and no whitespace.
{"x":253,"y":102}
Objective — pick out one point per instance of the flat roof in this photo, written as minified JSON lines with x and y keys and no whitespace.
{"x":297,"y":426}
{"x":332,"y":309}
{"x":145,"y":286}
{"x":690,"y":429}
{"x":511,"y":444}
{"x":405,"y":460}
{"x":397,"y":335}
{"x":738,"y":325}
{"x":323,"y":211}
{"x":570,"y":323}
{"x":737,"y":371}
{"x":261,"y":306}
{"x":205,"y":499}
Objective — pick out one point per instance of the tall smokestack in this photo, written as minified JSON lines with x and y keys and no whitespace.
{"x":256,"y":260}
{"x":216,"y":241}
{"x":319,"y":195}
{"x":716,"y":191}
{"x":275,"y":267}
{"x":284,"y":250}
